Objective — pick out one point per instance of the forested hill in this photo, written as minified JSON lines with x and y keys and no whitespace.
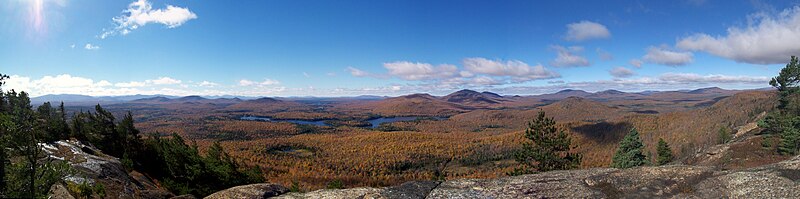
{"x":31,"y":139}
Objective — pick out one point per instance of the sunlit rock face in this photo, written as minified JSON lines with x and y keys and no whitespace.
{"x":91,"y":166}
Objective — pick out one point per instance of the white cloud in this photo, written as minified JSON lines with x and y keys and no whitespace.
{"x":664,"y":56}
{"x":72,"y":46}
{"x":483,"y":80}
{"x":157,"y":81}
{"x":331,"y":74}
{"x":357,"y":72}
{"x":713,"y":78}
{"x":305,"y":74}
{"x":604,"y":55}
{"x":245,"y":82}
{"x":667,"y":81}
{"x":567,"y":57}
{"x":58,"y":84}
{"x":266,"y":82}
{"x":68,"y":84}
{"x":513,"y":68}
{"x":91,"y":47}
{"x":103,"y":83}
{"x":586,"y":30}
{"x":163,"y":81}
{"x":766,"y":39}
{"x":130,"y":84}
{"x":141,"y":13}
{"x":477,"y":71}
{"x":420,"y":71}
{"x":270,"y":82}
{"x":207,"y":84}
{"x":621,"y":72}
{"x":636,"y":63}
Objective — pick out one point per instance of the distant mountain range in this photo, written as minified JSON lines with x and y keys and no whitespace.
{"x":460,"y":97}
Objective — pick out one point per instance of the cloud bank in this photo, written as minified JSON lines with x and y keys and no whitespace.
{"x":767,"y":39}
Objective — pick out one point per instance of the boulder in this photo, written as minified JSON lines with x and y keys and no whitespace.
{"x":94,"y":167}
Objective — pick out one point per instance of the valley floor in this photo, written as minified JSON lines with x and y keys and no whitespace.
{"x":474,"y":140}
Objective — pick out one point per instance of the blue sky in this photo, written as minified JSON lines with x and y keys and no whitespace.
{"x":345,"y":48}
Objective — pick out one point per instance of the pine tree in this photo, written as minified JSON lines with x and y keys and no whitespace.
{"x":724,"y":135}
{"x":5,"y":124}
{"x":630,"y":152}
{"x":790,"y":141}
{"x":785,"y":121}
{"x":62,"y":128}
{"x":664,"y":152}
{"x":548,"y":148}
{"x":787,"y":84}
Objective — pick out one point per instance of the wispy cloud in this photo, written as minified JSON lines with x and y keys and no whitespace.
{"x":355,"y":72}
{"x":90,"y":47}
{"x":621,"y":72}
{"x":141,"y":13}
{"x":568,"y":57}
{"x":586,"y":30}
{"x":157,"y":81}
{"x":636,"y":63}
{"x":518,"y":70}
{"x":266,"y":82}
{"x":664,"y":56}
{"x":163,"y":81}
{"x":207,"y":84}
{"x":604,"y":55}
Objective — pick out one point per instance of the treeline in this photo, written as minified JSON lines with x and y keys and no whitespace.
{"x":27,"y":172}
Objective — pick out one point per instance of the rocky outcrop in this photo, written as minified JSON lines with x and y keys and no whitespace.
{"x":779,"y":180}
{"x":253,"y":191}
{"x":92,"y":167}
{"x":416,"y":189}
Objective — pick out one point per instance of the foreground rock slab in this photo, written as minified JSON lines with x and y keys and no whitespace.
{"x":779,"y":180}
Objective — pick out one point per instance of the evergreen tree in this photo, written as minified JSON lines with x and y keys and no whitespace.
{"x":62,"y":128}
{"x":32,"y":174}
{"x":548,"y":148}
{"x":664,"y":152}
{"x":785,"y":121}
{"x":790,"y":141}
{"x":630,"y":152}
{"x":55,"y":125}
{"x":5,"y":125}
{"x":787,"y":84}
{"x":724,"y":135}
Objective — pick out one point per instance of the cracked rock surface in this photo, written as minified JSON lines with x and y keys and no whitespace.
{"x":779,"y":180}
